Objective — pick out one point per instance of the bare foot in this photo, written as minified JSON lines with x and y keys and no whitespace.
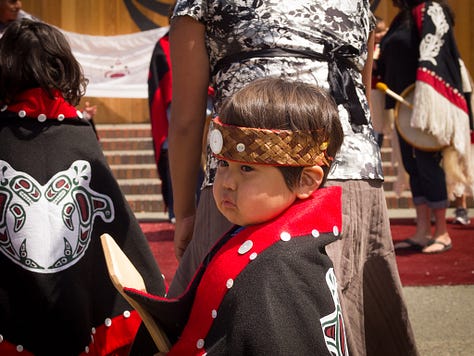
{"x":439,"y":244}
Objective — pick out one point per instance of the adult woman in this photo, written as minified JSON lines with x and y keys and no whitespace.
{"x":420,"y":48}
{"x":325,"y":43}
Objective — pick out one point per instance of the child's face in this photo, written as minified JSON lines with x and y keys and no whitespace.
{"x":248,"y":194}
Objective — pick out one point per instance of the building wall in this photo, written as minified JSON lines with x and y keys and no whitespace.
{"x":115,"y":17}
{"x":104,"y":18}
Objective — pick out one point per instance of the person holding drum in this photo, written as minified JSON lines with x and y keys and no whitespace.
{"x":419,"y":59}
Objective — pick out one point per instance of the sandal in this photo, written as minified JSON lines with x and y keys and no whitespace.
{"x":408,"y":244}
{"x":444,"y":247}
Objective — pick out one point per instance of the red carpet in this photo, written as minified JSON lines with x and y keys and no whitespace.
{"x":452,"y":267}
{"x":416,"y":269}
{"x":160,"y":237}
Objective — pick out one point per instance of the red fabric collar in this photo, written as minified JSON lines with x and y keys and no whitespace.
{"x":319,"y":214}
{"x":34,"y":103}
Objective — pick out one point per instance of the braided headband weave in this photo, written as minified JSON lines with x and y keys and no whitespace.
{"x":265,"y":146}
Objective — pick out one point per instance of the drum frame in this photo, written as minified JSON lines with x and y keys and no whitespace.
{"x":405,"y":136}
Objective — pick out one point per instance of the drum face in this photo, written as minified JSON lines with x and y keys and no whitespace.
{"x":416,"y":137}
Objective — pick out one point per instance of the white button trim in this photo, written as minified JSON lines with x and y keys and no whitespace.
{"x":230,"y":283}
{"x":335,"y":231}
{"x":42,"y":117}
{"x":315,"y":233}
{"x":240,"y":147}
{"x":22,"y":113}
{"x":200,"y":343}
{"x":285,"y":236}
{"x":108,"y":322}
{"x":245,"y":247}
{"x":216,"y":141}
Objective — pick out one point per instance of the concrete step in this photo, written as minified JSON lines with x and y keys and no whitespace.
{"x":123,"y":130}
{"x":137,"y":186}
{"x":404,"y":201}
{"x":132,"y":171}
{"x":116,"y":157}
{"x":145,"y":203}
{"x":129,"y":151}
{"x":124,"y":143}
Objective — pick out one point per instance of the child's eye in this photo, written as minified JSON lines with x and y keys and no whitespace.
{"x":222,"y":163}
{"x":246,"y":168}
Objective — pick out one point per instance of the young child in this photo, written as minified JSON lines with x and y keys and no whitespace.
{"x":267,"y":287}
{"x":57,"y":196}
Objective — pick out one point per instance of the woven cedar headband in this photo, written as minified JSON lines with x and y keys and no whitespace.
{"x":265,"y":146}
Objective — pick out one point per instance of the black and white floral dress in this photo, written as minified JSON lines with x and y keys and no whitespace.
{"x":237,"y":26}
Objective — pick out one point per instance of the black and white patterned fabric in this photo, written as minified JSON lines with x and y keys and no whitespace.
{"x":239,"y":26}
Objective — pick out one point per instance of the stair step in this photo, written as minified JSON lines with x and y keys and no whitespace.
{"x":389,"y":183}
{"x":123,"y":130}
{"x":386,"y":154}
{"x":123,"y":143}
{"x":388,"y":169}
{"x":131,"y":171}
{"x":145,"y":202}
{"x":404,"y":201}
{"x":140,"y":186}
{"x":130,"y":157}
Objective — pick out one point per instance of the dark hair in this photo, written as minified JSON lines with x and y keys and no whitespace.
{"x":273,"y":103}
{"x":35,"y":54}
{"x":407,"y":5}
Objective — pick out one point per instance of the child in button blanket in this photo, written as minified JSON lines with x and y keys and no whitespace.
{"x":267,"y":287}
{"x":57,"y":197}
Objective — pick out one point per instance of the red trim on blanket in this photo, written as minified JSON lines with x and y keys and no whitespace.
{"x":227,"y":264}
{"x":418,"y":13}
{"x":428,"y":77}
{"x":8,"y":349}
{"x":113,"y":340}
{"x":36,"y":102}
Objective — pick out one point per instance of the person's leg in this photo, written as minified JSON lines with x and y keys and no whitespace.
{"x":371,"y":295}
{"x":422,"y":234}
{"x":441,"y":241}
{"x":433,"y":182}
{"x":209,"y":226}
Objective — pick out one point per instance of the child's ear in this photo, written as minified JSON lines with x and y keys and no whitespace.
{"x":310,"y":180}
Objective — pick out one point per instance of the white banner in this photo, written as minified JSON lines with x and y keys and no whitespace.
{"x":116,"y":66}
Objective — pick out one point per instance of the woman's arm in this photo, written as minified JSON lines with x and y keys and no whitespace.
{"x":190,"y":66}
